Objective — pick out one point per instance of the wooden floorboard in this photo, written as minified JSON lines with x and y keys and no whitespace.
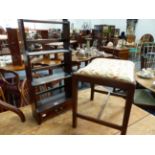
{"x":140,"y":122}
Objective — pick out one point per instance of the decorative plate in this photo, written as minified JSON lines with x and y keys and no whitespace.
{"x":145,"y":75}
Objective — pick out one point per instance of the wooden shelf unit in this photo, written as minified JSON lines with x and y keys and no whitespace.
{"x":51,"y":105}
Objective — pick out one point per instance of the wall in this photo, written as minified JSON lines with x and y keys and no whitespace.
{"x":12,"y":23}
{"x":8,"y":23}
{"x":119,"y":23}
{"x":145,"y":26}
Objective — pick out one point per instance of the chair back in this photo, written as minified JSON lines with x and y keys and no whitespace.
{"x":10,"y":98}
{"x":2,"y":97}
{"x":148,"y":55}
{"x":147,"y":38}
{"x":25,"y":91}
{"x":10,"y":84}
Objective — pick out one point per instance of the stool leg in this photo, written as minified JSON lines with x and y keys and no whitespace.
{"x":114,"y":90}
{"x":129,"y":100}
{"x":126,"y":119}
{"x":74,"y":101}
{"x":92,"y":91}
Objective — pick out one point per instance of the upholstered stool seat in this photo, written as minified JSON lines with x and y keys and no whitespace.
{"x":107,"y":72}
{"x":112,"y":69}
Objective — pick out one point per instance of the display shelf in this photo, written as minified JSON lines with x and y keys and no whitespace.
{"x":47,"y":67}
{"x":47,"y":52}
{"x":51,"y":101}
{"x":51,"y":78}
{"x":46,"y":104}
{"x":50,"y":90}
{"x":42,"y":41}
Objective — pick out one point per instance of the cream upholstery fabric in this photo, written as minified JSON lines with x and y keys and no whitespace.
{"x":119,"y":70}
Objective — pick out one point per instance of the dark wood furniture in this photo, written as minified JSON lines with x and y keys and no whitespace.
{"x":13,"y":44}
{"x":43,"y":33}
{"x":122,"y":53}
{"x":76,"y":60}
{"x":53,"y":104}
{"x":22,"y":67}
{"x":9,"y":93}
{"x":2,"y":97}
{"x":4,"y":105}
{"x":104,"y":31}
{"x":104,"y":34}
{"x":10,"y":84}
{"x":14,"y":68}
{"x":128,"y":87}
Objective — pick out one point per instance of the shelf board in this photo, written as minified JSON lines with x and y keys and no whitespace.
{"x":42,"y":41}
{"x":40,"y":68}
{"x":51,"y":102}
{"x":51,"y":78}
{"x":50,"y":90}
{"x":47,"y":52}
